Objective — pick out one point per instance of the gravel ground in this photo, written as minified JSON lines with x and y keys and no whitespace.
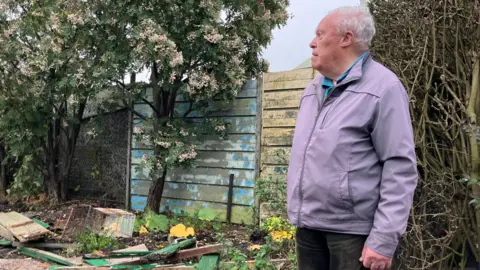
{"x":22,"y":264}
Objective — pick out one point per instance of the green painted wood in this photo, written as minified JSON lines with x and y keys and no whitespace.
{"x":209,"y":262}
{"x":214,"y":176}
{"x":45,"y":256}
{"x":204,"y":186}
{"x":185,"y":191}
{"x":5,"y":242}
{"x":169,"y":251}
{"x":201,"y":175}
{"x":216,"y":159}
{"x":97,"y":262}
{"x":249,"y":89}
{"x":43,"y":224}
{"x":235,"y":142}
{"x":238,"y":107}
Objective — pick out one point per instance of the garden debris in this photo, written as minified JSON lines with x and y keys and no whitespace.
{"x":164,"y":254}
{"x":47,"y":256}
{"x":4,"y":242}
{"x":43,"y":224}
{"x":196,"y":252}
{"x":254,"y":247}
{"x":46,"y":245}
{"x":209,"y":262}
{"x":139,"y":250}
{"x":118,"y":222}
{"x":124,"y":256}
{"x":181,"y":231}
{"x":14,"y":226}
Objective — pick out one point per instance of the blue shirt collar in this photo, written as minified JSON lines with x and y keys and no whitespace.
{"x":328,"y":83}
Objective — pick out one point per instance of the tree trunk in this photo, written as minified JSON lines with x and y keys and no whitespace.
{"x":52,"y":184}
{"x":3,"y":173}
{"x":155,"y":193}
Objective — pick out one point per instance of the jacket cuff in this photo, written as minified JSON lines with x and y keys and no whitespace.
{"x":381,"y":244}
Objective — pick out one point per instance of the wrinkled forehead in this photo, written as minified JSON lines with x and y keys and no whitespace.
{"x":328,"y":23}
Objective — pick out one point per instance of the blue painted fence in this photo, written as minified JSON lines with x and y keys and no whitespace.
{"x":207,"y":185}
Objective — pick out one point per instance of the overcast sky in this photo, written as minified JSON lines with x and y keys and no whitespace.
{"x":290,"y":45}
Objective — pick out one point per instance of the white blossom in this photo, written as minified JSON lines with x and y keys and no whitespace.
{"x":213,"y":38}
{"x":55,"y":21}
{"x":163,"y":144}
{"x":75,"y":19}
{"x":189,"y":155}
{"x":92,"y":132}
{"x":138,"y":129}
{"x":72,"y":100}
{"x":220,"y":128}
{"x":177,"y":59}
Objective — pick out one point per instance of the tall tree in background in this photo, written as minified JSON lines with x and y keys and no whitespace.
{"x":54,"y":57}
{"x":201,"y":51}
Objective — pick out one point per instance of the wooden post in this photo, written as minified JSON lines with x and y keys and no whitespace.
{"x":230,"y":199}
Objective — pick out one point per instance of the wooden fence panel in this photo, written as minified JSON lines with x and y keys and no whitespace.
{"x":206,"y":186}
{"x":281,"y":97}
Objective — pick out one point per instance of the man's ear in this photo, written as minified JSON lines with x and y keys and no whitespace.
{"x":348,"y":39}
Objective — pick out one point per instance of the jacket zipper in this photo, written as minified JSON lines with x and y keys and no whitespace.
{"x":336,"y":101}
{"x":320,"y":104}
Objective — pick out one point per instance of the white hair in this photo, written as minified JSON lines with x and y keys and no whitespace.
{"x":359,"y":20}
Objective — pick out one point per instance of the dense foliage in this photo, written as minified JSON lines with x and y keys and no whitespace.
{"x":434,"y":48}
{"x":59,"y":56}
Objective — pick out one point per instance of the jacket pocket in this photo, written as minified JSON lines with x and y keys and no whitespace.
{"x":328,"y":197}
{"x":345,"y":191}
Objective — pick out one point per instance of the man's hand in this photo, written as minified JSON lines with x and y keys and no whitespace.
{"x":374,"y":261}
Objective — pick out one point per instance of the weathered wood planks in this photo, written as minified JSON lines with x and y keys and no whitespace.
{"x":16,"y":226}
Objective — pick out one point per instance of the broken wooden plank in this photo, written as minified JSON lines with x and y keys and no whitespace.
{"x":164,"y":253}
{"x":141,"y":247}
{"x":169,"y":251}
{"x":123,"y":254}
{"x":47,"y":245}
{"x":6,"y":234}
{"x":120,"y":256}
{"x":209,"y":262}
{"x":196,"y":252}
{"x":46,"y":256}
{"x":21,"y":227}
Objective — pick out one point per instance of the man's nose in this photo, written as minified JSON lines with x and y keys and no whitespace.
{"x":312,"y":44}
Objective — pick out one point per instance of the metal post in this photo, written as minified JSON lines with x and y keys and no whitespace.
{"x":230,"y":199}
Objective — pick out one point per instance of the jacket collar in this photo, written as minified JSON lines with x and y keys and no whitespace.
{"x":356,"y":73}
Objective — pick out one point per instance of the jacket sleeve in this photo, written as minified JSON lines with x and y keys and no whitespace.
{"x":392,"y":137}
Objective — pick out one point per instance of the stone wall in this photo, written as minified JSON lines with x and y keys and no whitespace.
{"x":100,"y":163}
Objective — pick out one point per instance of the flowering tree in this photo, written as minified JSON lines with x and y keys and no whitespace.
{"x":54,"y":57}
{"x":201,"y":51}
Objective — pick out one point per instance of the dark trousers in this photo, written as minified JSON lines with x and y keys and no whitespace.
{"x":319,"y":250}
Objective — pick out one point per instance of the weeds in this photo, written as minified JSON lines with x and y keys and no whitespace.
{"x":90,"y":241}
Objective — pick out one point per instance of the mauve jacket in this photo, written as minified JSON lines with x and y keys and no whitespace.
{"x":353,"y":165}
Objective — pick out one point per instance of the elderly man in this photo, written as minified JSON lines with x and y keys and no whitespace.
{"x":352,"y":171}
